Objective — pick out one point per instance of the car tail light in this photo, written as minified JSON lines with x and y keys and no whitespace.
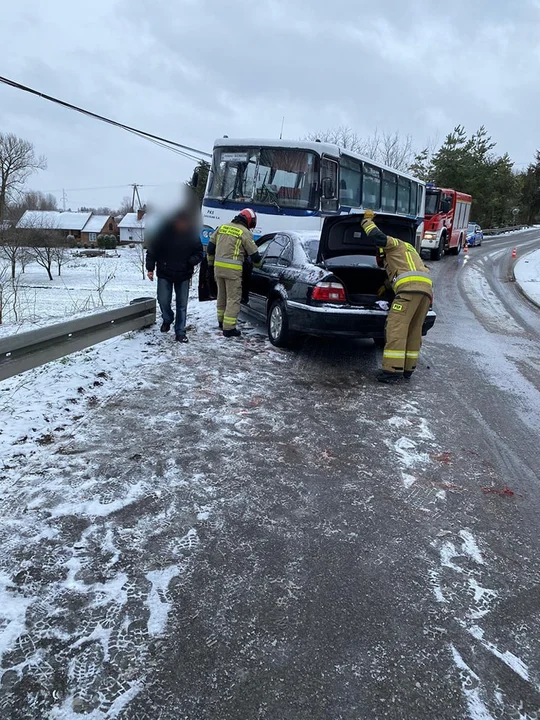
{"x":329,"y":292}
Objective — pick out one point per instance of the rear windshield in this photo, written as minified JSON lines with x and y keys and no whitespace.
{"x":312,"y":248}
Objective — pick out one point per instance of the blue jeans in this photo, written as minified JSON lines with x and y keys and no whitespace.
{"x":164,"y":296}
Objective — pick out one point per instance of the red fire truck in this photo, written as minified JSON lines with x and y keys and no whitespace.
{"x":446,"y":219}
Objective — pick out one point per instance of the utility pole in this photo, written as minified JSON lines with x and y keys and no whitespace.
{"x":282,"y":125}
{"x":64,"y":199}
{"x":134,"y":195}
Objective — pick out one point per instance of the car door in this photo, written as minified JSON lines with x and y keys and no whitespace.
{"x":255,"y":276}
{"x":263,"y":279}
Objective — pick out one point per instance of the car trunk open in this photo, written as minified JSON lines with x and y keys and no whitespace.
{"x":343,"y":235}
{"x":361,"y":277}
{"x":347,"y":252}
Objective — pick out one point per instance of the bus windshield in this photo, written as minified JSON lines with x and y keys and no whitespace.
{"x":432,"y":202}
{"x":265,"y":176}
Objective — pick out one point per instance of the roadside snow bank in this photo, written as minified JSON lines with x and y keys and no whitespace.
{"x":527,"y":274}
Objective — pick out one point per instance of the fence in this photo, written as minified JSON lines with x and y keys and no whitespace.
{"x":501,"y":230}
{"x":22,"y":352}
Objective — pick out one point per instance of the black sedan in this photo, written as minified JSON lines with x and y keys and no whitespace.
{"x":325,"y":284}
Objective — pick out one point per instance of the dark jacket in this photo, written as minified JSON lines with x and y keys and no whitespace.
{"x":175,"y":252}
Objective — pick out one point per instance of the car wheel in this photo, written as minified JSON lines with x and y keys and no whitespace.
{"x":278,"y":324}
{"x":379,"y":342}
{"x":439,"y":251}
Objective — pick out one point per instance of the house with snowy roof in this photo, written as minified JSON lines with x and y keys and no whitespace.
{"x":83,"y":226}
{"x":132,"y":227}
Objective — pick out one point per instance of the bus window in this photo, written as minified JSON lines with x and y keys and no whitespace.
{"x":371,"y":191}
{"x":329,"y":189}
{"x":403,"y":196}
{"x":267,"y":176}
{"x":412,"y":206}
{"x":350,"y":184}
{"x":419,"y":212}
{"x":389,"y":189}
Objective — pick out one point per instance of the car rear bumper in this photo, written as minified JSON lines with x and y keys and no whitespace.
{"x":345,"y":322}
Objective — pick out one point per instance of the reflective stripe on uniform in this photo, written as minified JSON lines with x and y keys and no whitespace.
{"x":415,"y":276}
{"x":237,"y":247}
{"x":230,"y":230}
{"x":220,"y":314}
{"x":369,"y":228}
{"x":394,"y":354}
{"x":410,"y":260}
{"x":229,"y":264}
{"x":229,"y":320}
{"x":413,"y":355}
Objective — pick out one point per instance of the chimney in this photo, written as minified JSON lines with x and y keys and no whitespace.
{"x":140,"y":213}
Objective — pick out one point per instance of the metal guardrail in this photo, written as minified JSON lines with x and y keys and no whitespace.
{"x":501,"y":230}
{"x":22,"y":352}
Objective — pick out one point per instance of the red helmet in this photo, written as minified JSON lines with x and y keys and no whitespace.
{"x":251,"y":217}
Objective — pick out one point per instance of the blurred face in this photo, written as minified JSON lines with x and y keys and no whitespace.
{"x":182,"y":224}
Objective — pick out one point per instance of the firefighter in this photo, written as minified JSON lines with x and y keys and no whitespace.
{"x":413,"y":290}
{"x":229,"y":246}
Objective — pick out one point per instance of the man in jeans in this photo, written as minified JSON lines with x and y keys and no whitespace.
{"x":176,"y":250}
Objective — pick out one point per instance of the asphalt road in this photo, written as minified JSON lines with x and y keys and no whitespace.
{"x":302,"y":543}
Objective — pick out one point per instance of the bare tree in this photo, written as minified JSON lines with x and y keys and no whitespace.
{"x":43,"y":243}
{"x":139,"y":259}
{"x":103,"y":277}
{"x":10,"y":247}
{"x":9,"y":292}
{"x":344,"y":136}
{"x":396,"y":151}
{"x":60,"y":256}
{"x":18,"y":161}
{"x":387,"y":148}
{"x":125,"y":207}
{"x":44,"y":255}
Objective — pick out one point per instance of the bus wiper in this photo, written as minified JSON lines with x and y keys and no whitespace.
{"x":226,"y":197}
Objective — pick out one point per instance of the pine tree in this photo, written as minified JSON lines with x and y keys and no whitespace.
{"x":530,"y":195}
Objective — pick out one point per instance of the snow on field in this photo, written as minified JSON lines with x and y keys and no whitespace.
{"x":527,"y":274}
{"x":85,"y":285}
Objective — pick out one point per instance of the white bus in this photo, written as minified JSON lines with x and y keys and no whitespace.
{"x":294,"y":185}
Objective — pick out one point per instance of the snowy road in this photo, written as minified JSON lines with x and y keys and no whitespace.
{"x":232,"y":532}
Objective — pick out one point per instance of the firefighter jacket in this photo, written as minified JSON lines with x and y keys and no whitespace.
{"x":402,"y":263}
{"x":228,"y":248}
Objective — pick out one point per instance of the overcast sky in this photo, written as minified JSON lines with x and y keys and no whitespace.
{"x":194,"y":70}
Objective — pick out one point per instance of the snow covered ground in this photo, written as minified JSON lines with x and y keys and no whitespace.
{"x":85,"y":285}
{"x":527,"y":274}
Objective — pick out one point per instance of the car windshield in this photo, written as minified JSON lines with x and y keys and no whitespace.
{"x":472,"y":227}
{"x":265,"y":176}
{"x":432,"y":202}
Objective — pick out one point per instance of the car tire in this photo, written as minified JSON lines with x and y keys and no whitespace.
{"x":439,"y":251}
{"x":277,"y":324}
{"x":379,"y":342}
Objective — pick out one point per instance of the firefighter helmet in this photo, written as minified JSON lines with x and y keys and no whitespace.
{"x":250,"y":216}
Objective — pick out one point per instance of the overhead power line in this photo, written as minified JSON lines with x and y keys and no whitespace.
{"x":184,"y":150}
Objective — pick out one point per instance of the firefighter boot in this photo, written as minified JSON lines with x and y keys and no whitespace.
{"x":388,"y":378}
{"x":234,"y":332}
